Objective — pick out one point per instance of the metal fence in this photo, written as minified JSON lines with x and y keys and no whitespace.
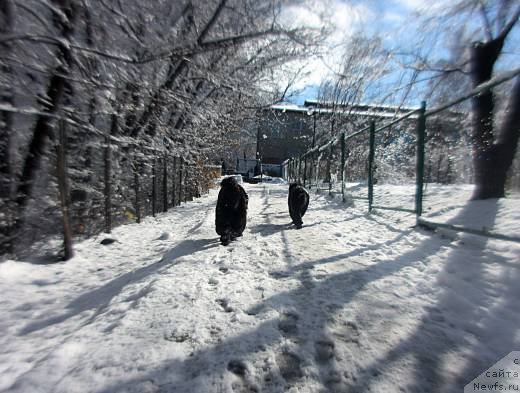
{"x":350,"y":165}
{"x":91,"y":185}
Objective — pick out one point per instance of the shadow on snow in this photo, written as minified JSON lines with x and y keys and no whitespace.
{"x":99,"y":298}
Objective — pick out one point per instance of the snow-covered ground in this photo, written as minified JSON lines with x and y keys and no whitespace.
{"x":350,"y":303}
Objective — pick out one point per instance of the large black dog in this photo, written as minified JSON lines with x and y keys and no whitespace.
{"x":298,"y":203}
{"x":231,"y":213}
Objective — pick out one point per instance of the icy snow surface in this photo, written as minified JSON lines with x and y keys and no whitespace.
{"x":350,"y":303}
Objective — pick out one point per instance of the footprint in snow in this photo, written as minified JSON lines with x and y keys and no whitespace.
{"x":349,"y":333}
{"x":177,"y":337}
{"x":242,"y":385}
{"x":164,"y":236}
{"x":277,"y":274}
{"x":237,"y":367}
{"x":324,"y":351}
{"x":216,"y":332}
{"x":224,"y":304}
{"x":288,"y":324}
{"x":289,"y":365}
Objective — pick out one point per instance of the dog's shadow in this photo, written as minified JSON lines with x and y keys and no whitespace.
{"x":270,"y":229}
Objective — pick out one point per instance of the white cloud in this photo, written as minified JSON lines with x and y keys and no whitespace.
{"x":414,"y":5}
{"x":345,"y":18}
{"x":424,"y":6}
{"x":394,"y":17}
{"x":300,"y":16}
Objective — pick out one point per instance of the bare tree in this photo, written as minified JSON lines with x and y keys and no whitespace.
{"x":480,"y":50}
{"x":494,"y":145}
{"x":178,"y":78}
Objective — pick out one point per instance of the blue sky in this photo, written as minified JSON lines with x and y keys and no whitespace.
{"x":396,"y":22}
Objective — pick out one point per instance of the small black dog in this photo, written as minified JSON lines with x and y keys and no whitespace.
{"x":231,"y":213}
{"x":298,"y":203}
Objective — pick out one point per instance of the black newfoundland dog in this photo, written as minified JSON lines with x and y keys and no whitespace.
{"x":231,"y":213}
{"x":298,"y":203}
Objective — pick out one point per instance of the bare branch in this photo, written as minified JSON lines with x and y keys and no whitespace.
{"x":34,"y":14}
{"x":509,"y":26}
{"x":487,"y":25}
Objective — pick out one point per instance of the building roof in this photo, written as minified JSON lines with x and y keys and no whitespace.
{"x":358,"y":107}
{"x":326,"y":107}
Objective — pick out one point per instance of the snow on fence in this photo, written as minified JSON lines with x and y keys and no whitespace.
{"x":351,"y":165}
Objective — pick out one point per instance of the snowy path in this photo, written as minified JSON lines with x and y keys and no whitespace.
{"x":349,"y":303}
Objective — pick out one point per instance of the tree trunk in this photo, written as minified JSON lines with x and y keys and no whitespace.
{"x":133,"y":107}
{"x":488,"y":167}
{"x":43,"y":129}
{"x":89,"y":152}
{"x":6,"y":96}
{"x":93,"y":67}
{"x":61,"y":169}
{"x":507,"y":141}
{"x":6,"y":119}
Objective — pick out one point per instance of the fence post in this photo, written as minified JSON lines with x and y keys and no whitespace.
{"x":107,"y":190}
{"x":173,"y":180}
{"x":371,"y":166}
{"x":318,"y":158}
{"x":137,"y":191}
{"x":108,"y":175}
{"x":343,"y":166}
{"x":185,"y":188}
{"x":329,"y":161}
{"x":331,"y":153}
{"x":180,"y":180}
{"x":305,"y":171}
{"x":421,"y":137}
{"x":327,"y":169}
{"x":154,"y":190}
{"x":165,"y":182}
{"x":299,"y":169}
{"x":311,"y":165}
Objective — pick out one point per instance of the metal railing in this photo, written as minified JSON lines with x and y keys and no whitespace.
{"x":292,"y":167}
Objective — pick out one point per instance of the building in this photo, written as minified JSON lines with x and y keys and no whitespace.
{"x":288,"y":130}
{"x":283,"y":131}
